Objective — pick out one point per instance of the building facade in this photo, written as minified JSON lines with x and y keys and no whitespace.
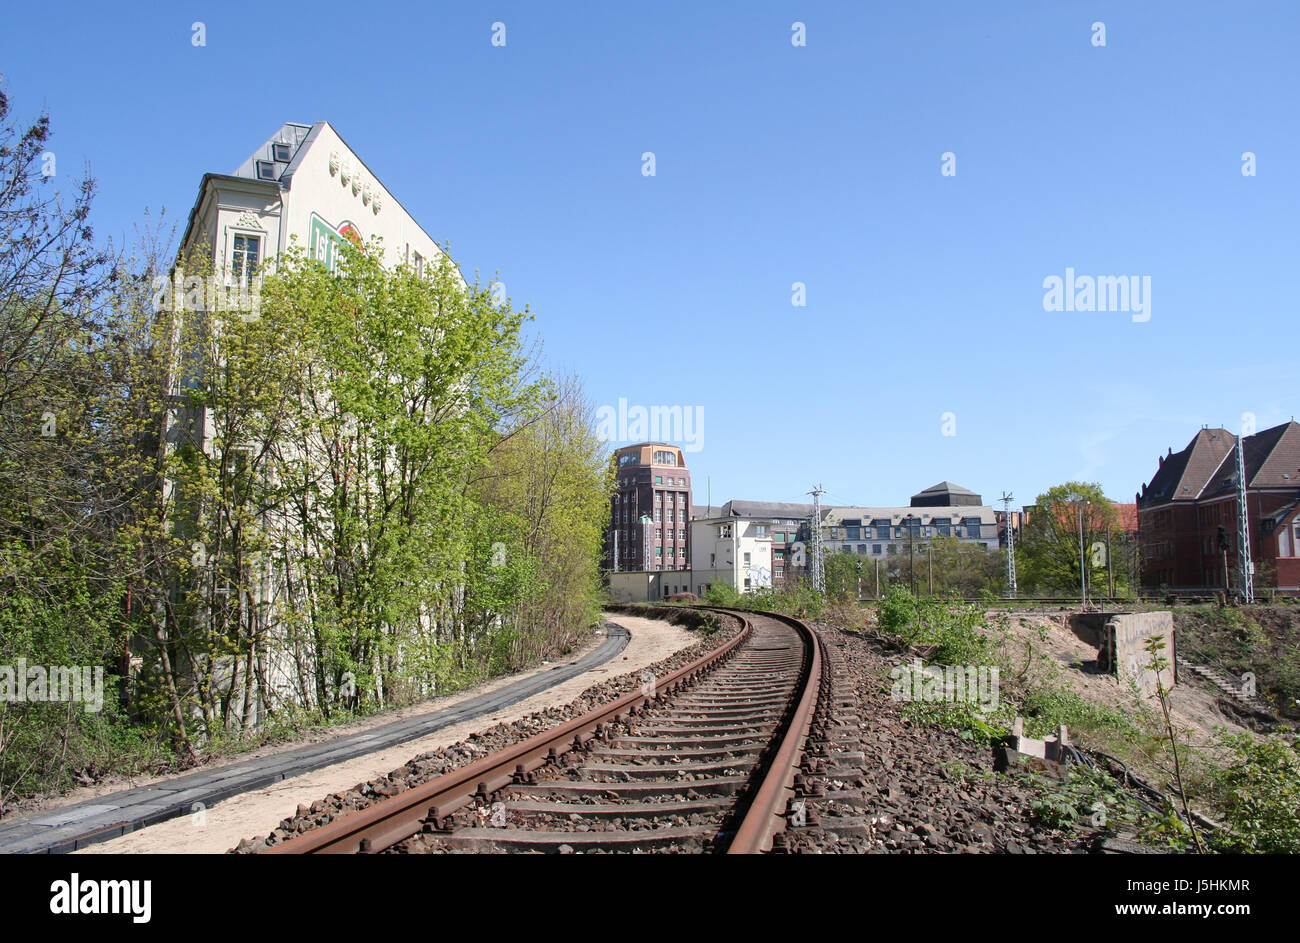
{"x":650,"y":510}
{"x":787,"y":526}
{"x":1188,"y":513}
{"x":943,"y":510}
{"x":735,"y":551}
{"x":303,"y":186}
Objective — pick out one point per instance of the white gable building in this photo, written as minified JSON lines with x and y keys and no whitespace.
{"x":303,"y":184}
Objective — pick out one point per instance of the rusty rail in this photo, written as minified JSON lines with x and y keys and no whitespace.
{"x":765,"y":816}
{"x":392,"y":820}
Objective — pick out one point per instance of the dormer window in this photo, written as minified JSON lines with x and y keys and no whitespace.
{"x":265,"y":170}
{"x":280,"y":152}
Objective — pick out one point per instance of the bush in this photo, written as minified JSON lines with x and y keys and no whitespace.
{"x":953,"y":627}
{"x":1259,"y":797}
{"x":1046,"y":709}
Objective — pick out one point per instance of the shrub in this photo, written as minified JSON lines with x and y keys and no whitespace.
{"x":1259,"y":797}
{"x":953,"y":627}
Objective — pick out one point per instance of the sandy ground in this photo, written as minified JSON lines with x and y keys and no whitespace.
{"x":220,"y":827}
{"x":1193,"y":707}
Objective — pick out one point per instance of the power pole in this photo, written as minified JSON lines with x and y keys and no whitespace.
{"x":1247,"y":565}
{"x":911,"y":556}
{"x":817,"y":569}
{"x":1007,"y":498}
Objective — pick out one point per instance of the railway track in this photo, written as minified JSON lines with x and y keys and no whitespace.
{"x":705,"y":760}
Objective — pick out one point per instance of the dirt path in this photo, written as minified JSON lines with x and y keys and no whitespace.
{"x":219,"y":828}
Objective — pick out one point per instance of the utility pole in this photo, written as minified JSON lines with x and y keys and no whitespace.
{"x":1079,"y":500}
{"x":1083,"y":570}
{"x":911,"y":556}
{"x":1110,"y":566}
{"x":929,"y":553}
{"x":817,"y":569}
{"x":1007,"y":498}
{"x":646,"y":522}
{"x":1247,"y":564}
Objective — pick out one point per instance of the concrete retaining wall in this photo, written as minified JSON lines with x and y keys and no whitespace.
{"x":1123,"y":648}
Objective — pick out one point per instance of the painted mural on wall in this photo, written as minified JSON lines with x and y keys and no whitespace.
{"x":325,"y":239}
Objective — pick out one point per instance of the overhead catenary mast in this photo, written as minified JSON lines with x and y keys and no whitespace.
{"x":816,"y":568}
{"x":1007,"y":498}
{"x":1244,"y":562}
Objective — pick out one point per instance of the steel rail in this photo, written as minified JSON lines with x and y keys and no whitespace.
{"x":765,"y":816}
{"x":395,"y":819}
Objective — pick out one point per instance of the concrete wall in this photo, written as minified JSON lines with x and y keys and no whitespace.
{"x":1123,"y":646}
{"x":640,"y":586}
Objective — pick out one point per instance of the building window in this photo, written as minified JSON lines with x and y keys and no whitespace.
{"x":665,"y":458}
{"x":875,"y":548}
{"x":659,"y":515}
{"x":862,"y":548}
{"x":245,"y":256}
{"x":780,"y":554}
{"x":659,"y":551}
{"x":746,"y":559}
{"x":779,"y":537}
{"x":280,"y":152}
{"x":658,"y":534}
{"x":659,"y":480}
{"x":760,"y":530}
{"x":681,"y":534}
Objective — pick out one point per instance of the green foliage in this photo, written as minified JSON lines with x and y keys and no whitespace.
{"x":1258,"y":796}
{"x":963,"y":717}
{"x":956,"y":629}
{"x":723,"y":595}
{"x":1045,"y":709}
{"x":844,"y":573}
{"x":359,"y":496}
{"x":798,"y":599}
{"x":1047,"y":558}
{"x":1089,"y":798}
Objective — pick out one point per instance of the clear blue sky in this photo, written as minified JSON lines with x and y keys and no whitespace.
{"x":775,"y":165}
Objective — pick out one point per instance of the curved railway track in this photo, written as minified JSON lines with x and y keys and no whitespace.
{"x":704,"y":760}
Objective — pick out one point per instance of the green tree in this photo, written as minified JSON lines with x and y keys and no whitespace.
{"x":1048,"y":551}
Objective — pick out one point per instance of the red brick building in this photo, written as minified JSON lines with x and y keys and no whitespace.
{"x":1188,"y":512}
{"x":651,"y":481}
